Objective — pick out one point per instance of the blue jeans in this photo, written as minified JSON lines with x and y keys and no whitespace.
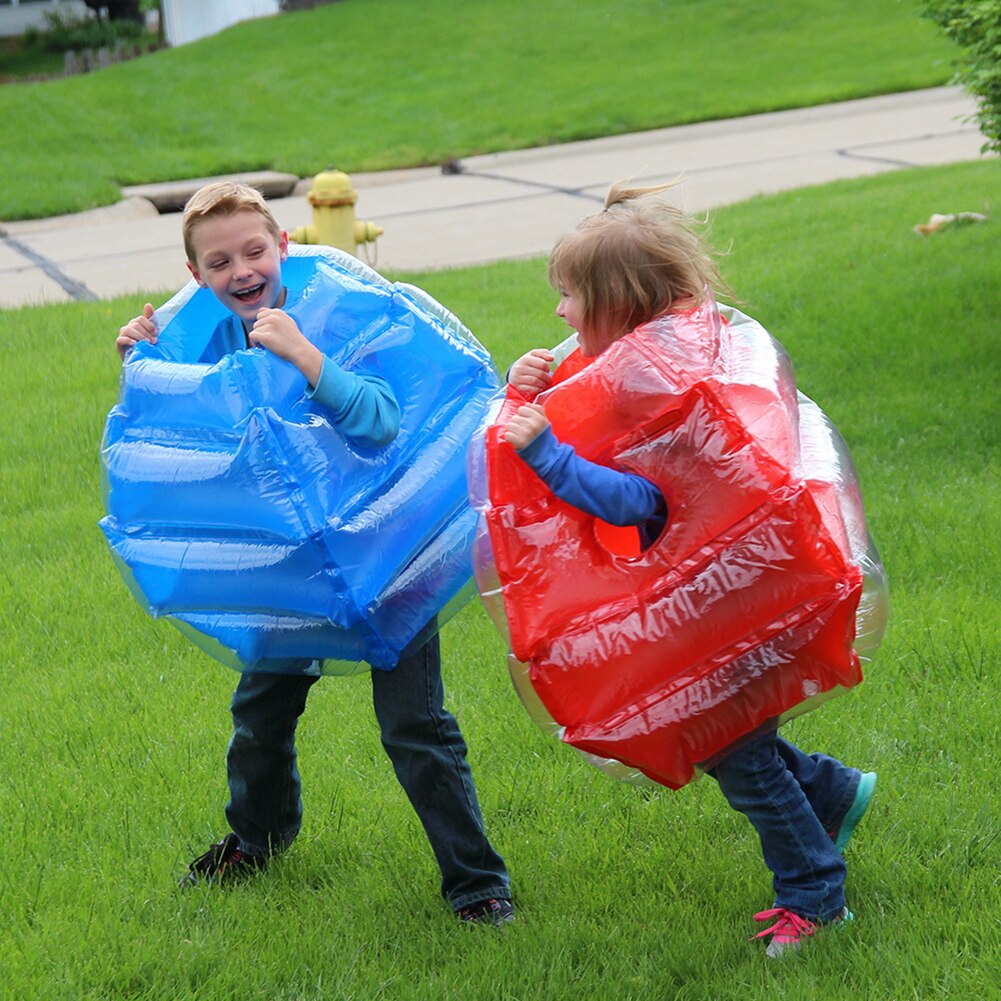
{"x":422,"y":740}
{"x":793,"y":800}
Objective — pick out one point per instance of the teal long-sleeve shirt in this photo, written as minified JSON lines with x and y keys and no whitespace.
{"x":362,"y":406}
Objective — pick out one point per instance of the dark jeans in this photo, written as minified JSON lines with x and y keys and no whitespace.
{"x":793,"y":800}
{"x":422,"y":740}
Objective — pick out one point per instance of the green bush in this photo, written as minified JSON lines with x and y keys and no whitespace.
{"x":977,"y":28}
{"x":65,"y":31}
{"x":117,"y":10}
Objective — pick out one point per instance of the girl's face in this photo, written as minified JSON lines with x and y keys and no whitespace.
{"x":570,"y":308}
{"x":239,"y":259}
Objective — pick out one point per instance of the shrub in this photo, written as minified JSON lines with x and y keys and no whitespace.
{"x":977,"y":28}
{"x":65,"y":30}
{"x":117,"y":10}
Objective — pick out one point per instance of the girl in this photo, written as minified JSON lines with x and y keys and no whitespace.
{"x":638,"y":260}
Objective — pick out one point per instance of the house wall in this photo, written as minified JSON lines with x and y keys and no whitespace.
{"x":187,"y":20}
{"x":16,"y":15}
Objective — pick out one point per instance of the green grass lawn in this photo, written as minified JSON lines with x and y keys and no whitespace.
{"x":114,"y":729}
{"x":372,"y":84}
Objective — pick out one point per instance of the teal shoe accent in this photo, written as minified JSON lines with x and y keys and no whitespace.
{"x":863,"y":796}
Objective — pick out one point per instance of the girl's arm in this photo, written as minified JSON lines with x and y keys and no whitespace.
{"x":614,"y":496}
{"x":531,"y":374}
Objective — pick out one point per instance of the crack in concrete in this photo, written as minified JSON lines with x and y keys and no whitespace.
{"x":76,"y":290}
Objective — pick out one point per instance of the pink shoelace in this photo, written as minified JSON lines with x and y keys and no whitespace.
{"x":789,"y":927}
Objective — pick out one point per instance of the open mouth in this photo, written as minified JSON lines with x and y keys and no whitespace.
{"x":249,"y":294}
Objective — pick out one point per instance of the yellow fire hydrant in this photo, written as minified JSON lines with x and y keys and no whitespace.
{"x":334,"y":224}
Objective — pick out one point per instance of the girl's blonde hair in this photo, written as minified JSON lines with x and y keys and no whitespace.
{"x":223,"y":198}
{"x":637,"y":259}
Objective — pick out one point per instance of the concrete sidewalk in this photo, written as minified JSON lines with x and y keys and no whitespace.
{"x":512,"y":205}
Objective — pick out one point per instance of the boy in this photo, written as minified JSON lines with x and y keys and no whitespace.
{"x":235,"y":248}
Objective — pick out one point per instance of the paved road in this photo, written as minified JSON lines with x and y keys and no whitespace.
{"x":512,"y":205}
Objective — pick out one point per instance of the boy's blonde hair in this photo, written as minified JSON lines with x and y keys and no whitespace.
{"x":637,"y":259}
{"x":223,"y":198}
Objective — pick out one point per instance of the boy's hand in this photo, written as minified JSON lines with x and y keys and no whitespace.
{"x":276,"y":331}
{"x":530,"y":374}
{"x":142,"y":328}
{"x":526,"y":425}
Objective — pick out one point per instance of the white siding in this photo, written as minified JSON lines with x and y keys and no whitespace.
{"x":187,"y":20}
{"x":16,"y":15}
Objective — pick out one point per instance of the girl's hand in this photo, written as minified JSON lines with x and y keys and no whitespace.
{"x":141,"y":328}
{"x":526,"y":425}
{"x":530,"y":374}
{"x":276,"y":331}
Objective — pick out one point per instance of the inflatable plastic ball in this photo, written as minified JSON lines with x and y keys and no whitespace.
{"x":236,"y":510}
{"x":758,"y":601}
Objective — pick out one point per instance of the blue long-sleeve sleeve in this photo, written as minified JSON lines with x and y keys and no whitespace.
{"x":618,"y":497}
{"x":363,"y":407}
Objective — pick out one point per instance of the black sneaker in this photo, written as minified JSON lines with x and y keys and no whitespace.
{"x":224,"y":862}
{"x":495,"y":911}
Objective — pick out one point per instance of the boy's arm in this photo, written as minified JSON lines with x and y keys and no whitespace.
{"x":362,"y":407}
{"x":278,"y":332}
{"x":140,"y":328}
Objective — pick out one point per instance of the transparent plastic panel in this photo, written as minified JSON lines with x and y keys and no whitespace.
{"x":235,"y":507}
{"x":758,"y":601}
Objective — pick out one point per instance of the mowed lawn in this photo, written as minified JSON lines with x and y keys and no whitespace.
{"x":114,"y":728}
{"x":374,"y":84}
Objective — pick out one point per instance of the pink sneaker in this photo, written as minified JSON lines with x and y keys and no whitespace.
{"x":790,"y":929}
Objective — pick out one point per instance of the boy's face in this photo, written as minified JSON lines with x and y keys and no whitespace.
{"x":239,"y":260}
